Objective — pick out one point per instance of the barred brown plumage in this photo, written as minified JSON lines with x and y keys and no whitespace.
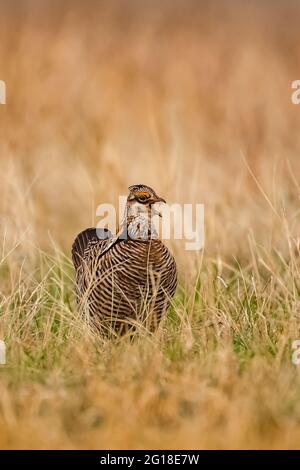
{"x":129,"y":279}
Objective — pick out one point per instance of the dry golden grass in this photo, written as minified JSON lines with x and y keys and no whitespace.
{"x":192,"y":98}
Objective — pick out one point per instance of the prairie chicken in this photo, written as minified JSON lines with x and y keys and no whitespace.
{"x":128,"y":279}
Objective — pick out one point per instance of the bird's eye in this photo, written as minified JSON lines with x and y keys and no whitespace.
{"x":143,"y":196}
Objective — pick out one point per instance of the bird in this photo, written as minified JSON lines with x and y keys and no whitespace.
{"x":125,"y":283}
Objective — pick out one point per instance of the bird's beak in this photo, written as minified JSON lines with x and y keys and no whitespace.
{"x":158,"y":199}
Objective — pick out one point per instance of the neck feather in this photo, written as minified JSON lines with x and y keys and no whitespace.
{"x":139,"y":222}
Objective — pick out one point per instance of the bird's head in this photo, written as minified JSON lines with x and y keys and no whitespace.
{"x":143,"y":198}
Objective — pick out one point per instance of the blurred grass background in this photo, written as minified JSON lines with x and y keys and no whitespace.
{"x":194,"y":99}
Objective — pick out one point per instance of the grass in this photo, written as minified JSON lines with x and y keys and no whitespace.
{"x":185,"y":107}
{"x":220,"y":363}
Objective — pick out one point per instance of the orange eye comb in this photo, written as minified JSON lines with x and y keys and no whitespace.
{"x":142,"y":195}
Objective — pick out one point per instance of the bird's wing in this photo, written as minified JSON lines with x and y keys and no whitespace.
{"x":84,"y":239}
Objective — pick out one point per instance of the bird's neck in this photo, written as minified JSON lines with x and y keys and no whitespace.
{"x":139,"y":222}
